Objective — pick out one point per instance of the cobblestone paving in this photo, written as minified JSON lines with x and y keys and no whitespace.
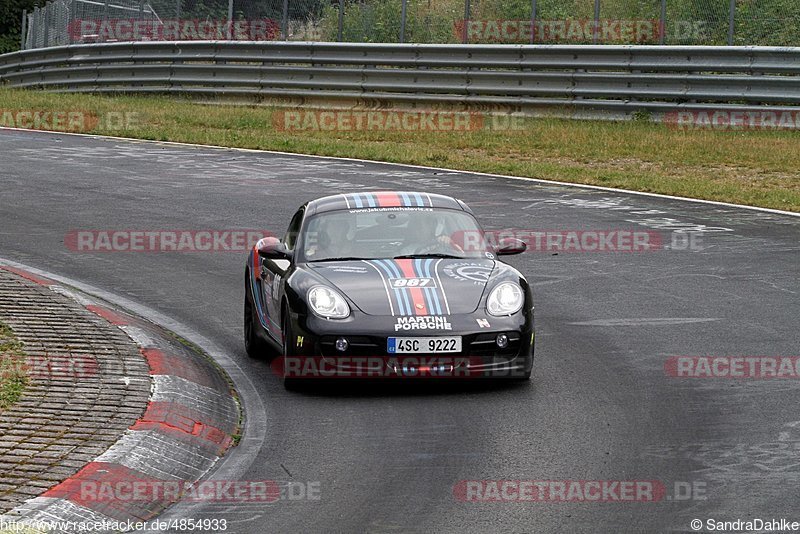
{"x":88,"y":383}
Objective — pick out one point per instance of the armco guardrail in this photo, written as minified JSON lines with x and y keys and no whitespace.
{"x":607,"y":78}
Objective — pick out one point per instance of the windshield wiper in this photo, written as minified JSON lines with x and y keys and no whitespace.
{"x":343,"y":258}
{"x":432,"y":255}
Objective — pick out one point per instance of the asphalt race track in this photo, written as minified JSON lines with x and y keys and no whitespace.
{"x":600,"y":405}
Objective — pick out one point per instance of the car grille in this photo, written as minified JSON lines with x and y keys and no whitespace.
{"x":473,"y":345}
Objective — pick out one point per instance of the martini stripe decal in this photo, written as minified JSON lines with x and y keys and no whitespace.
{"x":407,"y":299}
{"x":388,"y":199}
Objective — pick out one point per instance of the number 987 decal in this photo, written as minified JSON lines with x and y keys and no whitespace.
{"x":399,"y":283}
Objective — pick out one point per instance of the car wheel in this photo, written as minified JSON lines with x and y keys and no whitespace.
{"x":290,"y":383}
{"x":253,"y":345}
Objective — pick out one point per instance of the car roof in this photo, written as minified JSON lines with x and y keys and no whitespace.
{"x":384,"y":199}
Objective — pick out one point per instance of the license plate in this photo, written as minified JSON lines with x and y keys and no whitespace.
{"x":424,"y":345}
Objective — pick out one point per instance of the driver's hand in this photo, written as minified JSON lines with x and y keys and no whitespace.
{"x":446,"y":240}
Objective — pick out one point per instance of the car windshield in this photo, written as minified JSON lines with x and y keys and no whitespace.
{"x":364,"y":234}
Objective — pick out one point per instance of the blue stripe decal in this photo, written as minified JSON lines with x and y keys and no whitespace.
{"x":261,"y":312}
{"x":441,"y":292}
{"x":357,"y":199}
{"x":419,"y":199}
{"x":388,"y":273}
{"x":434,"y":291}
{"x":433,"y":307}
{"x":388,"y":269}
{"x":406,"y":294}
{"x":257,"y":296}
{"x":402,"y":293}
{"x":370,"y":199}
{"x":417,"y":265}
{"x":380,"y":267}
{"x":406,"y":200}
{"x":427,"y":290}
{"x":439,"y":289}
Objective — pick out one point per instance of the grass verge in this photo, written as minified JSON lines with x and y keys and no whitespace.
{"x":758,"y":168}
{"x":12,"y":373}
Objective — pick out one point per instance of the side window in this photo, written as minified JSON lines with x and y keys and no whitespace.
{"x":290,"y":239}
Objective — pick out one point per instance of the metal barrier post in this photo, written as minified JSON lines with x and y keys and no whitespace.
{"x":341,"y":21}
{"x":73,"y":12}
{"x":464,"y":38}
{"x":34,"y":26}
{"x":46,"y":11}
{"x":23,"y":36}
{"x":731,"y":21}
{"x":403,"y":20}
{"x":285,"y":21}
{"x":533,"y":21}
{"x":662,"y":23}
{"x":40,"y":25}
{"x":230,"y":19}
{"x":596,"y":29}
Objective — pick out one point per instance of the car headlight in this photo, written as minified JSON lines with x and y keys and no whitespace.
{"x":505,"y":299}
{"x":327,"y":303}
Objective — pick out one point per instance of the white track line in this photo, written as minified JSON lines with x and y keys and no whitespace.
{"x":440,"y":169}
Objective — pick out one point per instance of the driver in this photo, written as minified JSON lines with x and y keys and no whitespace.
{"x":421,"y":237}
{"x":332,"y":241}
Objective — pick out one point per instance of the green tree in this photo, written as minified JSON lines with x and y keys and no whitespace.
{"x":11,"y":22}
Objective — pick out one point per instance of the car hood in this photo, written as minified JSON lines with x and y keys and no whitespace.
{"x":410,"y":286}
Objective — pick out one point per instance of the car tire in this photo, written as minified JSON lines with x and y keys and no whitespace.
{"x":253,"y":344}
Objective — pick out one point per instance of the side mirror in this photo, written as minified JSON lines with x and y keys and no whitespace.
{"x":510,"y":246}
{"x":271,"y":248}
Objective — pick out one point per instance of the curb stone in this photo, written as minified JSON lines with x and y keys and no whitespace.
{"x":188,"y":422}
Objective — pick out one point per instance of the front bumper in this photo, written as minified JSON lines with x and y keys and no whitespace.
{"x":367,"y":354}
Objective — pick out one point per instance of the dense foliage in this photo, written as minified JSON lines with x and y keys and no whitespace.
{"x":762,"y":22}
{"x":11,"y":22}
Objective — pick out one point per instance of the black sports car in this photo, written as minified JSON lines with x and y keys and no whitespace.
{"x":388,"y":284}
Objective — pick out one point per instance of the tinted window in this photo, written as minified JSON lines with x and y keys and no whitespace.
{"x":290,"y":239}
{"x":386,"y":234}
